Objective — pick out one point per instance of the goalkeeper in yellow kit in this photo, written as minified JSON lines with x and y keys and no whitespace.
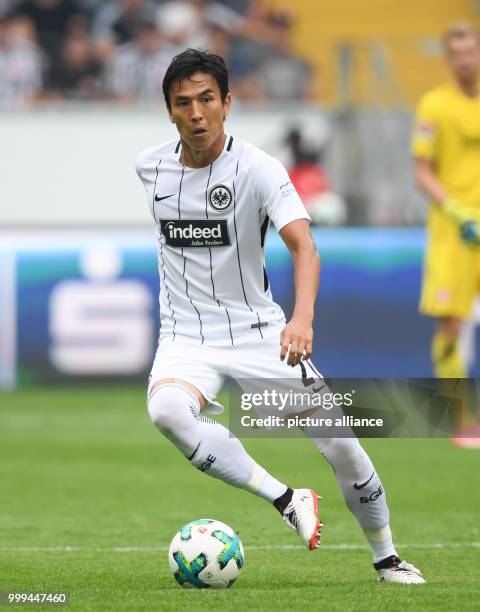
{"x":446,"y":147}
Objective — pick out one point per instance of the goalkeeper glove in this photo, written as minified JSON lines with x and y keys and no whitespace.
{"x":470,"y":232}
{"x":469,"y":228}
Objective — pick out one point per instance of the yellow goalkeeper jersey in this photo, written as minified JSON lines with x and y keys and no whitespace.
{"x":447,"y":131}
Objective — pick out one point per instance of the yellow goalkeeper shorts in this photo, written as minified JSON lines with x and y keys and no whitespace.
{"x":451,"y":275}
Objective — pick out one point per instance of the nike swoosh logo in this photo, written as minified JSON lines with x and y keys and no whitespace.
{"x":198,"y":445}
{"x":364,"y":484}
{"x":160,"y":198}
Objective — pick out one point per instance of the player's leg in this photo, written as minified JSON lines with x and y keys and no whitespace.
{"x":358,"y":480}
{"x":447,"y":359}
{"x":365,"y":496}
{"x":361,"y":487}
{"x":174,"y":407}
{"x":449,"y":286}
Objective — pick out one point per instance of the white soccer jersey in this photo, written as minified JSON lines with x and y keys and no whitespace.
{"x":211,"y":225}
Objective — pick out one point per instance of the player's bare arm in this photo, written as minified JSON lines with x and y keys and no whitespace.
{"x":466,"y":219}
{"x":428,"y":181}
{"x":297,"y":336}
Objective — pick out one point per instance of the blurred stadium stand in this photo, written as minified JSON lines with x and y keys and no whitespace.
{"x":393,"y":45}
{"x":114,"y":50}
{"x":351,"y":52}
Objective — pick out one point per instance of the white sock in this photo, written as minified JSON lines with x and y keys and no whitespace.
{"x":207,"y":444}
{"x":263,"y":484}
{"x":381,"y":543}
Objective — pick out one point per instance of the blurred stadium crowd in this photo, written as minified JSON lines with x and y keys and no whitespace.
{"x":118,"y":50}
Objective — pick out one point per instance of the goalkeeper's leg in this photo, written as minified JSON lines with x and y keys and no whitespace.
{"x":446,"y":357}
{"x":448,"y":362}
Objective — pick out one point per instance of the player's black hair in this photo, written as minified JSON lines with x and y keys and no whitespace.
{"x":188,"y":62}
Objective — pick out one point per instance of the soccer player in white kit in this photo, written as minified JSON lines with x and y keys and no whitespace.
{"x":212,"y":198}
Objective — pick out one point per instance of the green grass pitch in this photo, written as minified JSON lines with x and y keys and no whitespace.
{"x":91,"y":494}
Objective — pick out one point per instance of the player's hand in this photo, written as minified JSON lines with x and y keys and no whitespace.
{"x":455,"y":211}
{"x":296,"y":339}
{"x":466,"y":219}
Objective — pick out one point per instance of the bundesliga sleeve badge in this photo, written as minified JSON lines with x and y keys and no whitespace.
{"x":425,"y":130}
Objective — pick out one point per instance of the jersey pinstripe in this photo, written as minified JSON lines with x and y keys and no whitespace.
{"x":211,"y":225}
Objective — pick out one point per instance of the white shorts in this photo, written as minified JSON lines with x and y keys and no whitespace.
{"x":205,"y":366}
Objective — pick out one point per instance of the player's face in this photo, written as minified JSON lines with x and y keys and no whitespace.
{"x":198,"y":111}
{"x":463,"y":57}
